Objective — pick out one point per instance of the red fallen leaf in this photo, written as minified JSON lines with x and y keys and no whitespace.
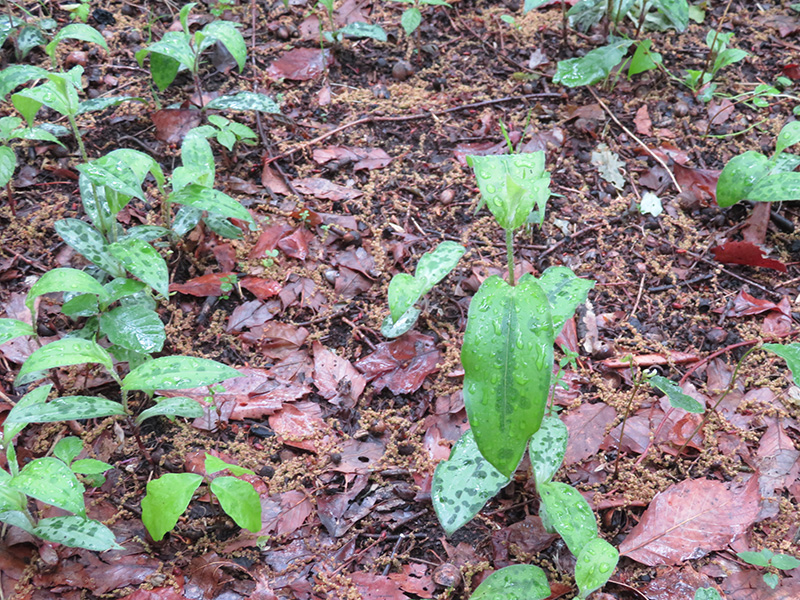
{"x":307,"y":215}
{"x":226,"y":256}
{"x":745,"y":304}
{"x":325,"y":189}
{"x":401,"y":365}
{"x":269,"y":239}
{"x":697,"y":180}
{"x":271,"y":180}
{"x":337,"y":380}
{"x":303,"y":292}
{"x":784,"y":23}
{"x":528,"y":536}
{"x":755,"y":228}
{"x":749,"y":585}
{"x":414,"y":579}
{"x":172,"y":124}
{"x":668,"y":150}
{"x":644,"y":125}
{"x":300,"y":64}
{"x":745,"y":253}
{"x":792,"y":71}
{"x":331,"y":508}
{"x":376,"y":587}
{"x":276,"y":340}
{"x":544,"y":139}
{"x":359,"y":457}
{"x":478,"y":149}
{"x":296,"y":244}
{"x":358,"y":260}
{"x":300,"y":430}
{"x":284,"y":513}
{"x":350,"y":284}
{"x":691,"y":519}
{"x":161,"y":593}
{"x":776,"y":459}
{"x":776,"y":325}
{"x":250,"y":314}
{"x":676,"y":584}
{"x":205,"y":285}
{"x":261,"y":288}
{"x":587,"y":427}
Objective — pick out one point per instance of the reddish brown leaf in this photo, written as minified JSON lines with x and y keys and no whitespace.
{"x":749,"y":585}
{"x":755,"y":228}
{"x":792,"y":71}
{"x":205,"y":285}
{"x":644,"y":125}
{"x":303,"y":292}
{"x":300,"y":429}
{"x":269,"y":239}
{"x":350,"y":284}
{"x":271,"y":180}
{"x":161,"y":593}
{"x":745,"y":304}
{"x":325,"y":189}
{"x":261,"y":288}
{"x":358,"y":260}
{"x":414,"y":579}
{"x":720,"y":111}
{"x":697,"y":181}
{"x":676,"y":584}
{"x":276,"y":340}
{"x":587,"y":427}
{"x":776,"y":324}
{"x":776,"y":458}
{"x":376,"y":587}
{"x":401,"y":365}
{"x":690,"y":519}
{"x":336,"y":379}
{"x":359,"y":457}
{"x":250,"y":314}
{"x":226,"y":256}
{"x":745,"y":253}
{"x":296,"y":244}
{"x":364,"y":158}
{"x":300,"y":64}
{"x":172,"y":124}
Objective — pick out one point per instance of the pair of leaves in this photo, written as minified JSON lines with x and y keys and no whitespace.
{"x":405,"y":290}
{"x":593,"y":67}
{"x":753,"y":176}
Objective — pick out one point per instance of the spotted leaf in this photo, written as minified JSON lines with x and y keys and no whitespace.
{"x":64,"y":280}
{"x":134,"y":327}
{"x":514,"y":583}
{"x":172,"y":407}
{"x":12,"y":328}
{"x":565,"y":292}
{"x":596,"y":562}
{"x":547,"y":447}
{"x":77,"y":532}
{"x":63,"y":353}
{"x":51,"y":481}
{"x":67,"y":408}
{"x":565,"y":511}
{"x":142,"y":260}
{"x":177,"y":373}
{"x":87,"y":241}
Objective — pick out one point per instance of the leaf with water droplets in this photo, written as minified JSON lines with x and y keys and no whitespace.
{"x":51,"y":481}
{"x":568,"y":513}
{"x":177,"y":373}
{"x":547,"y":447}
{"x":179,"y":406}
{"x":565,"y":291}
{"x":12,"y":328}
{"x":142,"y":260}
{"x":134,"y":327}
{"x":77,"y":532}
{"x":63,"y":353}
{"x":508,"y":359}
{"x":739,"y":176}
{"x":517,"y":582}
{"x":67,"y":408}
{"x":64,"y":280}
{"x":677,"y":397}
{"x":35,"y":396}
{"x":463,"y":484}
{"x":239,"y":500}
{"x":596,"y":562}
{"x":166,"y":500}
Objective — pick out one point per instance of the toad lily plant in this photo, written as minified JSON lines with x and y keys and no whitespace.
{"x":508,"y":363}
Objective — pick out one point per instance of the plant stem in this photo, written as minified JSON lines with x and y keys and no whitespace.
{"x":636,"y":385}
{"x":564,"y":22}
{"x":641,"y":20}
{"x":510,"y":256}
{"x":719,"y":401}
{"x":11,"y":202}
{"x":77,"y":133}
{"x":711,"y":49}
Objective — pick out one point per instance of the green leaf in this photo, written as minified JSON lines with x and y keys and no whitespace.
{"x":134,"y":327}
{"x":14,"y":76}
{"x":51,"y":481}
{"x":177,"y":373}
{"x":526,"y":171}
{"x":463,"y":484}
{"x":214,"y":464}
{"x":516,"y":582}
{"x":404,"y":291}
{"x":96,"y":104}
{"x":676,"y":12}
{"x":531,"y":4}
{"x":77,"y":532}
{"x":771,"y":579}
{"x":10,"y":429}
{"x":172,"y":407}
{"x":568,"y":513}
{"x":11,"y":328}
{"x":87,"y":241}
{"x":593,"y":67}
{"x":246,"y":101}
{"x":142,"y":260}
{"x":677,"y":397}
{"x":226,"y":34}
{"x":68,"y":408}
{"x":707,"y":594}
{"x":410,"y":20}
{"x":781,"y":187}
{"x":508,"y":359}
{"x":393,"y":329}
{"x":784,"y":562}
{"x":64,"y":280}
{"x":198,"y":163}
{"x":166,"y":500}
{"x":728,"y":57}
{"x":90,"y":466}
{"x":596,"y":562}
{"x":8,"y":163}
{"x":68,"y":449}
{"x":28,"y":38}
{"x":63,"y":353}
{"x":565,"y":292}
{"x":211,"y":200}
{"x":547,"y":448}
{"x":76,"y":31}
{"x":163,"y":68}
{"x":789,"y":136}
{"x":757,"y":559}
{"x":239,"y":500}
{"x":84,"y":305}
{"x":359,"y":29}
{"x":643,"y":59}
{"x":738,"y":177}
{"x":18,"y":518}
{"x":173,"y":45}
{"x":122,"y":287}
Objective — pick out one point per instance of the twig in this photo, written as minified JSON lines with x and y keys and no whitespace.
{"x":576,"y":235}
{"x":638,"y":298}
{"x":426,"y":115}
{"x":637,"y":140}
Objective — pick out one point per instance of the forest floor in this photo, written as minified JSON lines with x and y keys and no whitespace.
{"x":362,"y":173}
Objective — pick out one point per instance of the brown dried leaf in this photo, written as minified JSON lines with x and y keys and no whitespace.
{"x":644,"y":125}
{"x":376,"y":587}
{"x":276,"y":340}
{"x":261,"y":288}
{"x":401,"y":365}
{"x":205,"y":285}
{"x":300,"y":64}
{"x":336,"y":379}
{"x":587,"y":427}
{"x":296,"y":244}
{"x":299,"y":429}
{"x":325,"y":189}
{"x":172,"y":124}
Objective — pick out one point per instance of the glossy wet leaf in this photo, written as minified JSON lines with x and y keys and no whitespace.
{"x":198,"y":163}
{"x":28,"y":38}
{"x":738,"y":177}
{"x":64,"y":280}
{"x":17,"y":517}
{"x":32,"y":398}
{"x":12,"y":328}
{"x":214,"y":464}
{"x":87,"y":241}
{"x":595,"y":564}
{"x":593,"y":67}
{"x":90,"y":466}
{"x":393,"y":329}
{"x":781,"y":187}
{"x":524,"y":174}
{"x":134,"y":327}
{"x":142,"y":260}
{"x":707,"y":594}
{"x":564,"y":510}
{"x":211,"y":200}
{"x":63,"y":353}
{"x":8,"y":162}
{"x":517,"y":582}
{"x":172,"y":407}
{"x":51,"y":481}
{"x":67,"y":408}
{"x":176,"y":373}
{"x":76,"y":31}
{"x":676,"y":395}
{"x":96,"y":104}
{"x":675,"y":11}
{"x":246,"y":101}
{"x":508,"y":358}
{"x":547,"y":448}
{"x":789,"y":136}
{"x":239,"y":500}
{"x":166,"y":500}
{"x":171,"y":51}
{"x":229,"y":36}
{"x":115,"y":175}
{"x":77,"y":532}
{"x":565,"y":292}
{"x":463,"y":484}
{"x":68,"y":448}
{"x":15,"y":75}
{"x":359,"y":29}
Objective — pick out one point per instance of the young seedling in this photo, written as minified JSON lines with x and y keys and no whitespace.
{"x":227,"y":133}
{"x":357,"y":29}
{"x":411,"y":18}
{"x":771,"y":561}
{"x":719,"y":57}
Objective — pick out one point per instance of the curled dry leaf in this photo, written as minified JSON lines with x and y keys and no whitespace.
{"x":644,"y":126}
{"x":745,"y":253}
{"x":261,"y":288}
{"x":300,"y":64}
{"x":401,"y":365}
{"x":325,"y":189}
{"x":300,"y":429}
{"x":336,"y":379}
{"x":172,"y":124}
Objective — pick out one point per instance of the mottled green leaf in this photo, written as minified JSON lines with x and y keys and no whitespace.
{"x":211,"y":200}
{"x":676,"y":12}
{"x":516,"y":582}
{"x":595,"y":564}
{"x":567,"y":512}
{"x":142,"y":260}
{"x":547,"y":448}
{"x":781,"y":187}
{"x":595,"y":66}
{"x":64,"y":280}
{"x":393,"y":329}
{"x":738,"y":177}
{"x":14,"y":76}
{"x":531,"y":4}
{"x":177,"y":373}
{"x":565,"y":292}
{"x":134,"y":327}
{"x":229,"y":36}
{"x":68,"y":448}
{"x":12,"y":328}
{"x":166,"y":500}
{"x":18,"y":518}
{"x":676,"y":395}
{"x":87,"y":241}
{"x":508,"y":358}
{"x":63,"y":353}
{"x":707,"y":594}
{"x":790,"y":353}
{"x":35,"y":396}
{"x":246,"y":101}
{"x":239,"y":500}
{"x":77,"y":532}
{"x":463,"y":484}
{"x":68,"y":408}
{"x":96,"y":104}
{"x":50,"y":480}
{"x":172,"y":407}
{"x":76,"y":31}
{"x":359,"y":29}
{"x":8,"y":163}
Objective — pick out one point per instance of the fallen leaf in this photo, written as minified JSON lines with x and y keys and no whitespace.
{"x":691,"y":519}
{"x":299,"y":429}
{"x":300,"y":64}
{"x":350,"y":283}
{"x":332,"y":508}
{"x":337,"y":380}
{"x":720,"y":111}
{"x":776,"y":325}
{"x":269,"y":239}
{"x":745,"y":304}
{"x":376,"y":587}
{"x":776,"y":458}
{"x":650,"y":360}
{"x":792,"y":71}
{"x":249,"y":314}
{"x":205,"y":285}
{"x":402,"y":364}
{"x":745,"y":253}
{"x":749,"y":585}
{"x":697,"y":181}
{"x":325,"y":189}
{"x":644,"y":125}
{"x":296,"y":244}
{"x":271,"y":180}
{"x":172,"y":124}
{"x":364,"y":158}
{"x":261,"y":288}
{"x":755,"y":227}
{"x":303,"y":292}
{"x":676,"y":584}
{"x":587,"y":427}
{"x":414,"y":579}
{"x":276,"y":340}
{"x":358,"y":457}
{"x":358,"y":260}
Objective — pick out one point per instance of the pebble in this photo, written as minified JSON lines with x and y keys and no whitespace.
{"x":681,"y":109}
{"x":402,"y":70}
{"x":76,"y":57}
{"x":447,"y":575}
